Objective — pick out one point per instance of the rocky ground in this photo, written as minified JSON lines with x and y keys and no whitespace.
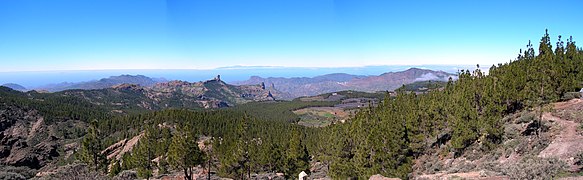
{"x":556,"y":153}
{"x":26,"y":143}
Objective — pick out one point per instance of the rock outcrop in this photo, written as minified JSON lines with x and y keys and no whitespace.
{"x":20,"y":142}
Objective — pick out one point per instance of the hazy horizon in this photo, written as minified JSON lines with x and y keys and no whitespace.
{"x":35,"y":79}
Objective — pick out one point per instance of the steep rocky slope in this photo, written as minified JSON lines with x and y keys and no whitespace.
{"x":28,"y":143}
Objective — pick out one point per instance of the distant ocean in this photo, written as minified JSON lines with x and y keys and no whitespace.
{"x":31,"y":79}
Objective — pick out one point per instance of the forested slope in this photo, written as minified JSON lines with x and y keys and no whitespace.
{"x":387,"y":139}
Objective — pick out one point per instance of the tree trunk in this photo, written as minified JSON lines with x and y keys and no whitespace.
{"x":209,"y":168}
{"x":95,"y":161}
{"x":187,"y":174}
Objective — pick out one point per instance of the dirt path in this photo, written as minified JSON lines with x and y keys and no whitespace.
{"x":567,"y":142}
{"x":467,"y":175}
{"x":567,"y":104}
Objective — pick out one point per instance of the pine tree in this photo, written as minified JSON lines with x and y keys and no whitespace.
{"x":115,"y":168}
{"x":297,"y":159}
{"x":184,"y":152}
{"x":142,"y":158}
{"x":91,"y":147}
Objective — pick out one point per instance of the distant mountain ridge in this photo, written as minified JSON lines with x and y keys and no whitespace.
{"x":14,"y":86}
{"x":104,"y":83}
{"x":213,"y":93}
{"x":304,"y":86}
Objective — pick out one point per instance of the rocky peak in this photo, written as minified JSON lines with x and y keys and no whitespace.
{"x":216,"y":79}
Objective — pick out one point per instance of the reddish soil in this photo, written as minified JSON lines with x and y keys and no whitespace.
{"x":568,"y":141}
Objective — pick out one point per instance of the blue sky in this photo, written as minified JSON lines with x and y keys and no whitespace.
{"x":42,"y":35}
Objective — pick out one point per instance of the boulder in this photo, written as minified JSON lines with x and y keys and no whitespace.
{"x":23,"y":157}
{"x":302,"y":175}
{"x":47,"y":149}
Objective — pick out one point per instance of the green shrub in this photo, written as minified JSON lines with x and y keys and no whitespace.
{"x":525,"y":118}
{"x":571,"y":95}
{"x":534,"y":168}
{"x":512,"y":132}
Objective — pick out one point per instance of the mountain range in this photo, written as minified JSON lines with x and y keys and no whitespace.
{"x":304,"y":86}
{"x":104,"y":83}
{"x":213,"y":93}
{"x":242,"y":91}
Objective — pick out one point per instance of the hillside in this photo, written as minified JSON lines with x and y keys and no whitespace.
{"x":103,"y":83}
{"x":446,"y":131}
{"x":553,"y":154}
{"x":37,"y":130}
{"x":17,"y":87}
{"x":304,"y":86}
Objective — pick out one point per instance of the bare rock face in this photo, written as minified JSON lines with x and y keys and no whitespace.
{"x":20,"y":143}
{"x":117,"y":150}
{"x":23,"y":157}
{"x":32,"y":157}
